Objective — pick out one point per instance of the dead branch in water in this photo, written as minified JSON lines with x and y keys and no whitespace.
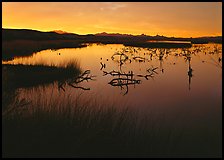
{"x":85,"y":76}
{"x":60,"y":86}
{"x":119,"y":54}
{"x":146,"y":76}
{"x":140,"y":59}
{"x":79,"y":87}
{"x":117,"y":73}
{"x":152,"y":70}
{"x":123,"y":81}
{"x":102,"y":65}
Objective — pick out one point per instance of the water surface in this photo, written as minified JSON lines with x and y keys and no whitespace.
{"x":186,"y":81}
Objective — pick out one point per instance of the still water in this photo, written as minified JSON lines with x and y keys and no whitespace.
{"x":170,"y":81}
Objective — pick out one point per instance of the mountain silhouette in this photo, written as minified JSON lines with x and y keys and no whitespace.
{"x":28,"y":34}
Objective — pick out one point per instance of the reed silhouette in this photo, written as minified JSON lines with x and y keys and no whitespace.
{"x":31,"y":75}
{"x":78,"y":128}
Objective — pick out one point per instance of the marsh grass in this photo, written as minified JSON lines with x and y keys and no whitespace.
{"x":78,"y":128}
{"x":83,"y":127}
{"x":19,"y":76}
{"x":15,"y":76}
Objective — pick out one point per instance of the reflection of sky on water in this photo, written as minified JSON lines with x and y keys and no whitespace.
{"x":166,"y":91}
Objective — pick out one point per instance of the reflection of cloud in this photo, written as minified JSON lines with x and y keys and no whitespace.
{"x":112,"y":6}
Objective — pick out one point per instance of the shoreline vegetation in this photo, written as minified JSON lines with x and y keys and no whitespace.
{"x":25,"y":76}
{"x":23,"y":42}
{"x":17,"y":76}
{"x":17,"y":48}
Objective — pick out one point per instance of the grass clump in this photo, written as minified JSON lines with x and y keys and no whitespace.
{"x":20,"y":75}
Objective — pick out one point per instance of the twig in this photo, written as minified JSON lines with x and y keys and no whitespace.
{"x":79,"y":87}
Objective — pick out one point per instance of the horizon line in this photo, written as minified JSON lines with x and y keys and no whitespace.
{"x":65,"y":32}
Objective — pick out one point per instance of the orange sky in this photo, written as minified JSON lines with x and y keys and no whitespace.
{"x":183,"y":19}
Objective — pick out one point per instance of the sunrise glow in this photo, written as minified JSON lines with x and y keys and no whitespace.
{"x":186,"y":19}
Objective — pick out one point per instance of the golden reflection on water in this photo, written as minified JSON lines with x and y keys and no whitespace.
{"x":181,"y":79}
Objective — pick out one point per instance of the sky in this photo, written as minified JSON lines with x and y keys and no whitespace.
{"x":173,"y":19}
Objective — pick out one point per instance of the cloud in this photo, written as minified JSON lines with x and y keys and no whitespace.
{"x":112,"y":6}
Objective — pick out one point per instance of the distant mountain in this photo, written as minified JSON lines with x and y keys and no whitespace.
{"x":113,"y":34}
{"x":60,"y":32}
{"x":27,"y":34}
{"x":126,"y":35}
